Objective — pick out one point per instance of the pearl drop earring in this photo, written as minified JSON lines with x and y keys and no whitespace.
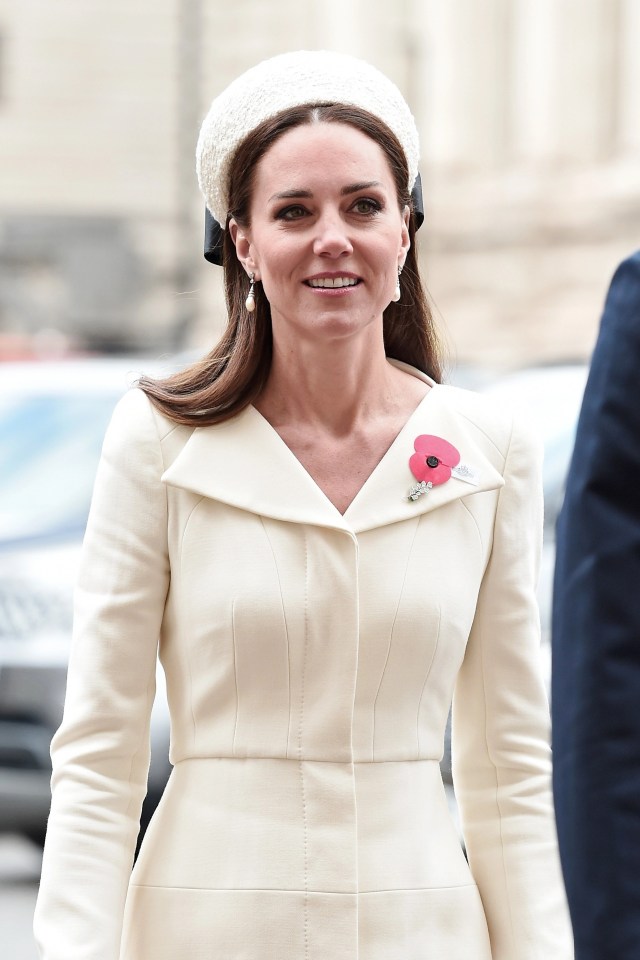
{"x":250,"y":302}
{"x":397,"y":293}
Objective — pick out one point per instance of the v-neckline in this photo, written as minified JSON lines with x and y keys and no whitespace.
{"x":244,"y":463}
{"x":380,"y":463}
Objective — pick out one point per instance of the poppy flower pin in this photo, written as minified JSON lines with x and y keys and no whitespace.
{"x":432,"y":463}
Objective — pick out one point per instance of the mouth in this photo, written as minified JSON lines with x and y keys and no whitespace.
{"x":332,"y":283}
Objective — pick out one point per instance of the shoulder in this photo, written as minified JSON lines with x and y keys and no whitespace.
{"x":628,"y":272}
{"x":496,"y":425}
{"x":134,"y":413}
{"x":622,"y":305}
{"x":138,"y":428}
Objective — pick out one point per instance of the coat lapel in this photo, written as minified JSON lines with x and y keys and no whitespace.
{"x":384,"y":497}
{"x":244,"y":463}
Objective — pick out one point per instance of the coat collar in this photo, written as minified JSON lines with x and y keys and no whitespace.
{"x":244,"y":463}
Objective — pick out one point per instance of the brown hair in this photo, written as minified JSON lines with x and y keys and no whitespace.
{"x":234,"y":373}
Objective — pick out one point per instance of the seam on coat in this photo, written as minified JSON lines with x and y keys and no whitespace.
{"x":483,"y":673}
{"x":170,"y":426}
{"x":305,"y":824}
{"x":194,"y":722}
{"x":330,"y":893}
{"x":443,"y":886}
{"x":286,"y":631}
{"x":395,"y":617}
{"x":165,"y":436}
{"x":235,"y":674}
{"x":424,"y":685}
{"x":486,"y":435}
{"x":205,"y":758}
{"x":187,"y":522}
{"x":475,"y":522}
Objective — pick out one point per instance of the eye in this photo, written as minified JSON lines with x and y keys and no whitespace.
{"x":294,"y":212}
{"x":367,"y":206}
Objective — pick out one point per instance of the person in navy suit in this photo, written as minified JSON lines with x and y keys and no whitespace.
{"x":596,"y":643}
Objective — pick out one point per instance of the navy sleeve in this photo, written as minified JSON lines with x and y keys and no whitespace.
{"x":596,"y":643}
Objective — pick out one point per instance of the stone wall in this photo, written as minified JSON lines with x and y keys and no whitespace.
{"x":529,"y":112}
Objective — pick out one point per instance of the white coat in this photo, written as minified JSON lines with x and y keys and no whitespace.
{"x":311,"y":658}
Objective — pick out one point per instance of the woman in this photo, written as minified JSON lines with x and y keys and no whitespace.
{"x":327,"y":542}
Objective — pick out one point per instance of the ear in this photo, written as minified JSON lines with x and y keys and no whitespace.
{"x":244,"y":250}
{"x":405,"y":242}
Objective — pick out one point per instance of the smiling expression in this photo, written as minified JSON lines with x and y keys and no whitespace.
{"x":327,"y":234}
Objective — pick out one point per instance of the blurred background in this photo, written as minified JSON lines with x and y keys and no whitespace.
{"x":529,"y":113}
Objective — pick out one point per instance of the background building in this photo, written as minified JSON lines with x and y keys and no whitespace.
{"x":529,"y":112}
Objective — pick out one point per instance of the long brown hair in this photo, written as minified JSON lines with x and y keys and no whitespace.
{"x":234,"y":373}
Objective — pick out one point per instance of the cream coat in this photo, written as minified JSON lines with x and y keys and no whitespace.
{"x":310,"y":659}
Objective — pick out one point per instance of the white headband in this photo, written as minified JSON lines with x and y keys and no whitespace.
{"x":290,"y":80}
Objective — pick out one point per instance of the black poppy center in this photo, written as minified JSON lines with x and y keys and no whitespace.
{"x":432,"y":461}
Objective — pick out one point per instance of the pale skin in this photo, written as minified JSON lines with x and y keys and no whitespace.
{"x":332,"y":395}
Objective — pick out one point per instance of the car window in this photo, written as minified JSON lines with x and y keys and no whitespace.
{"x":49,"y":450}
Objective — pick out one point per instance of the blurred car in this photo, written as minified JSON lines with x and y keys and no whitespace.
{"x":549,"y":397}
{"x":52,"y":421}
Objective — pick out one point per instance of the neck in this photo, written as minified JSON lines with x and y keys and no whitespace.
{"x":332,"y":386}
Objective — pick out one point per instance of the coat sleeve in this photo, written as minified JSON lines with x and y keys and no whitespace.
{"x":596,"y":642}
{"x":100,"y":753}
{"x":500,"y":733}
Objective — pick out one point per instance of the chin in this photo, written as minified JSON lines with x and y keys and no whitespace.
{"x":342,"y":327}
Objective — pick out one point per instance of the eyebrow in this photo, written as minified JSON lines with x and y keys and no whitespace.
{"x":299,"y":194}
{"x":357,"y":187}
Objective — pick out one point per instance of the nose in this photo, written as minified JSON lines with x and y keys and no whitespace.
{"x":332,"y":238}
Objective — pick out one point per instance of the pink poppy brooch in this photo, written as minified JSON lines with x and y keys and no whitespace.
{"x":435,"y":460}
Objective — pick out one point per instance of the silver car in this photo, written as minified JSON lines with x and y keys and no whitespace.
{"x":52,"y":420}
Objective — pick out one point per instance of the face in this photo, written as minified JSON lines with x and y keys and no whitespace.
{"x":327,"y":234}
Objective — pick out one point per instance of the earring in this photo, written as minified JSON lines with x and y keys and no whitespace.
{"x":250,"y":302}
{"x":397,"y":293}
